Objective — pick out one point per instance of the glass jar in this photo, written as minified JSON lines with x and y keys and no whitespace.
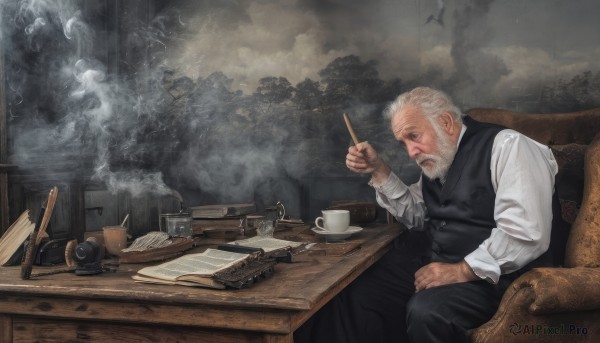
{"x":177,"y":224}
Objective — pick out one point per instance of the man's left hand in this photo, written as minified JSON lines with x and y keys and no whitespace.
{"x":438,"y":273}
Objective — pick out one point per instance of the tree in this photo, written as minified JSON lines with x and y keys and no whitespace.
{"x":213,"y":96}
{"x":390,"y":90}
{"x":273,"y":90}
{"x":582,"y":91}
{"x":349,"y":79}
{"x":308,"y":95}
{"x":215,"y":84}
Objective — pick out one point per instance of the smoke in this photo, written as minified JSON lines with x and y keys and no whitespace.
{"x":476,"y":70}
{"x":65,"y":107}
{"x":170,"y":111}
{"x":147,"y":125}
{"x":233,"y":172}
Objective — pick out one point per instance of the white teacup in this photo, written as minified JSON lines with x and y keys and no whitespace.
{"x":336,"y":221}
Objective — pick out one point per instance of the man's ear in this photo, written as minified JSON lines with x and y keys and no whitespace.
{"x":447,"y":122}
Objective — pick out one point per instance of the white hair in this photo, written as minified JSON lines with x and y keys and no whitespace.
{"x":431,"y":102}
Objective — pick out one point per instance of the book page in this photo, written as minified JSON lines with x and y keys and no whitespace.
{"x":145,"y":279}
{"x":268,"y":244}
{"x":203,"y":264}
{"x":14,"y":237}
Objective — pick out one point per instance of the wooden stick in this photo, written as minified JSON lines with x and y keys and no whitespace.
{"x":351,"y":129}
{"x":45,"y":215}
{"x":52,"y":196}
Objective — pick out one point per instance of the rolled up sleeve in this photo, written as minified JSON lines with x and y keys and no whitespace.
{"x":523,"y":174}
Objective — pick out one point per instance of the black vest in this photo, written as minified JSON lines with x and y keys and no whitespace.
{"x":461,"y":211}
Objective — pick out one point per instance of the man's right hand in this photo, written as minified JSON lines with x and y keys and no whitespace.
{"x":362,"y":158}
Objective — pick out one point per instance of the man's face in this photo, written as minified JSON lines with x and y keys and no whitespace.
{"x":427,"y":144}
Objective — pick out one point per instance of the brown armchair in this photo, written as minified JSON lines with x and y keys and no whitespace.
{"x":558,"y":304}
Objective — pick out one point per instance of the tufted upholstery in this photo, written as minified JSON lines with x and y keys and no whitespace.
{"x":558,"y":304}
{"x":583,"y":246}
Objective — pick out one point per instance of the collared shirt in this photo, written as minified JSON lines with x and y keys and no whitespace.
{"x":523,"y":177}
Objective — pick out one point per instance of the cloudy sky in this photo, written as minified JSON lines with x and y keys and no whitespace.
{"x":489,"y":52}
{"x":507,"y":46}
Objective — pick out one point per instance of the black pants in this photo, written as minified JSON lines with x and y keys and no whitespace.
{"x":381,"y":305}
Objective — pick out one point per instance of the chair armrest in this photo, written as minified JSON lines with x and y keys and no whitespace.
{"x":561,"y":289}
{"x":546,"y":297}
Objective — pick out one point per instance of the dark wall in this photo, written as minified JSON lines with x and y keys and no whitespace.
{"x":125,"y":104}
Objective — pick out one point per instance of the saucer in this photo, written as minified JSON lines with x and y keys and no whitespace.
{"x":337,"y":236}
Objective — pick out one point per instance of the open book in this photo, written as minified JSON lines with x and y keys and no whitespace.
{"x":193,"y":269}
{"x":219,"y":268}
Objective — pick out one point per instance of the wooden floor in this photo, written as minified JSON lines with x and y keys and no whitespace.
{"x":112,"y":307}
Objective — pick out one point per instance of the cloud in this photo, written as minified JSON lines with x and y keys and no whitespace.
{"x":248,"y":40}
{"x":296,"y":39}
{"x":438,"y":57}
{"x":486,"y":50}
{"x":533,"y":68}
{"x":274,"y":41}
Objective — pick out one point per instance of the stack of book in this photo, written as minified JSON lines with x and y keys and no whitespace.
{"x":222,"y":211}
{"x":221,"y":220}
{"x":13,"y":238}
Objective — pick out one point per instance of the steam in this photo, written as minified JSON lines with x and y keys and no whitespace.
{"x":132,"y":132}
{"x":38,"y":23}
{"x":100,"y":112}
{"x":477,"y":71}
{"x":92,"y":83}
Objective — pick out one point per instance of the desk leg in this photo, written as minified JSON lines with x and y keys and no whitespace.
{"x":5,"y":328}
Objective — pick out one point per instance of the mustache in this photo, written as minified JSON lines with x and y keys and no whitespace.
{"x":422,"y":158}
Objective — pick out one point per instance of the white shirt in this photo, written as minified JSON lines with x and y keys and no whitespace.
{"x":523,"y":177}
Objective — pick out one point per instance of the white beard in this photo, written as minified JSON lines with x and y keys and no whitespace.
{"x":437,"y":166}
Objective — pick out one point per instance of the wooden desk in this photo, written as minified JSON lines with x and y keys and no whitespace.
{"x":111,"y":307}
